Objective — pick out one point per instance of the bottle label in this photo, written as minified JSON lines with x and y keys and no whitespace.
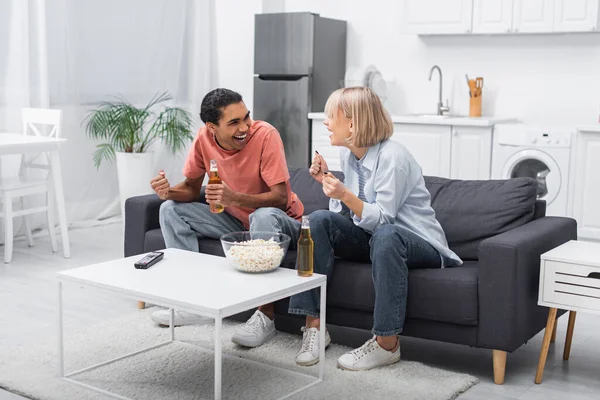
{"x":213,"y":165}
{"x":305,"y":222}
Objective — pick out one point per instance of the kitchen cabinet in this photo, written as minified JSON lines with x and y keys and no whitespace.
{"x":587,"y":184}
{"x":437,"y":16}
{"x":576,"y":15}
{"x":492,"y":16}
{"x":533,"y":16}
{"x":432,"y":17}
{"x":471,"y":156}
{"x":429,"y":145}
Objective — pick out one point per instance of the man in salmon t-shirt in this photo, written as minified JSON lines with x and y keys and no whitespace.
{"x":255,"y":191}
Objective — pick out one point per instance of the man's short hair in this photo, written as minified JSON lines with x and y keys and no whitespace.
{"x":213,"y":103}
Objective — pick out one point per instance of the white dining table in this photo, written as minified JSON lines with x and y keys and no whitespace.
{"x":17,"y":143}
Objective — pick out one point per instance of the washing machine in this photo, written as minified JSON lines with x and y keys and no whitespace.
{"x":542,"y":153}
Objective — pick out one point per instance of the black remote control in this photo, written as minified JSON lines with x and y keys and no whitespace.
{"x":149,"y":260}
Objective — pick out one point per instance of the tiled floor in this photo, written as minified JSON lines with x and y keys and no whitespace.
{"x":28,"y":297}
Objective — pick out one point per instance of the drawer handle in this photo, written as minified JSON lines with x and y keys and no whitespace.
{"x":595,"y":275}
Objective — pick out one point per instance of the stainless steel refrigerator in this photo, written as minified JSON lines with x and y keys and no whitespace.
{"x":299,"y":59}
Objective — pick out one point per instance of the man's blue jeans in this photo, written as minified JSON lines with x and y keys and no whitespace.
{"x":391,"y":249}
{"x":182,"y":223}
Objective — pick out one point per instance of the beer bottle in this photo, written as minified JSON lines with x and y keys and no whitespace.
{"x":306,"y":248}
{"x":213,"y":178}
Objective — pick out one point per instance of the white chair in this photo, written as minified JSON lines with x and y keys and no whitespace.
{"x":23,"y":185}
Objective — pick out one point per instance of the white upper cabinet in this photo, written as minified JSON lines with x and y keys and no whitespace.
{"x":438,"y":16}
{"x":492,"y":16}
{"x":576,"y":15}
{"x":533,"y":16}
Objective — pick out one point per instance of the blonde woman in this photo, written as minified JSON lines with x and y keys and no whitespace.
{"x":391,"y":224}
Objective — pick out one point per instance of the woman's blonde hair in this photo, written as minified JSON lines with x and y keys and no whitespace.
{"x":372,"y":123}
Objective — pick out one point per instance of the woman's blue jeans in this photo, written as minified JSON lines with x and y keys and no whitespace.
{"x":391,"y":249}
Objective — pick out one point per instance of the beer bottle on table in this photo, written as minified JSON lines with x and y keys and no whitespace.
{"x":306,"y":248}
{"x":213,"y":178}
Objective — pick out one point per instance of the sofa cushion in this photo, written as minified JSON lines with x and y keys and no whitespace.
{"x":441,"y":294}
{"x":446,"y":295}
{"x":310,"y":191}
{"x":470,"y":211}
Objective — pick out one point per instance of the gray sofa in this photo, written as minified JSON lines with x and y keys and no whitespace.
{"x":497,"y":227}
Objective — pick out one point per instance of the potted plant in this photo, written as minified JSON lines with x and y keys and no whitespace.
{"x":128,"y":132}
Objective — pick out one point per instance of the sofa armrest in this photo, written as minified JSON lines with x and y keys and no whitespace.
{"x":141,"y":216}
{"x":509,"y":271}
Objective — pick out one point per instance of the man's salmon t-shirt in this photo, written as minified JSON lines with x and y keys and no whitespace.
{"x":252,"y":170}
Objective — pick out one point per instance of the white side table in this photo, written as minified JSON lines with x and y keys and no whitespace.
{"x":569,"y":280}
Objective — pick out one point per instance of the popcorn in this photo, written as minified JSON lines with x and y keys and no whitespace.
{"x":257,"y":255}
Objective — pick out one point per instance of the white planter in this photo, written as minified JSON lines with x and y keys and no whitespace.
{"x":135,"y":170}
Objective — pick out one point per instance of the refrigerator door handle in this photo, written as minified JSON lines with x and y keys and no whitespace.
{"x":279,"y":77}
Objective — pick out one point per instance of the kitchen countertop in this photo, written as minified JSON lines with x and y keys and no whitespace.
{"x":581,"y":128}
{"x":436,"y":120}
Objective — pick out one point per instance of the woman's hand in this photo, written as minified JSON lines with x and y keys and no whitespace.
{"x":333,"y":187}
{"x":318,"y":167}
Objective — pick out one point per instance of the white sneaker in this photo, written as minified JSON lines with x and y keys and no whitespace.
{"x":180,"y":318}
{"x":309,"y":352}
{"x":256,"y":331}
{"x":369,"y":355}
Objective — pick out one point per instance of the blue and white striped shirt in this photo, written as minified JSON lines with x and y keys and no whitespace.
{"x":390,"y":183}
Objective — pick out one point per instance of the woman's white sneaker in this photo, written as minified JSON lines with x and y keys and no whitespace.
{"x":309,"y":352}
{"x":256,"y":331}
{"x":369,"y":355}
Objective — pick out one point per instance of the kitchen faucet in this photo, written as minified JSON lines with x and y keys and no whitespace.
{"x":441,"y":108}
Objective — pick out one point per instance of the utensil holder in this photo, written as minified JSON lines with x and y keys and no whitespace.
{"x":475,"y":106}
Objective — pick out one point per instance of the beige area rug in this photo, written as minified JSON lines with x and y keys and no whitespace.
{"x":182,"y":371}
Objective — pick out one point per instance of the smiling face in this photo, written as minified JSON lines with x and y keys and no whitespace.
{"x":340,"y":128}
{"x":232,"y":131}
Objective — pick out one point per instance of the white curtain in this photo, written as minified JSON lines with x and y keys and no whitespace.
{"x":69,"y":54}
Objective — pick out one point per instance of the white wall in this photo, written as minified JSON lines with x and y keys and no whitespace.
{"x":537,"y":78}
{"x":235,"y":45}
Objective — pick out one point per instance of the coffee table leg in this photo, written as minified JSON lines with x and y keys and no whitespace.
{"x":61,"y":353}
{"x":171,"y":325}
{"x":322,"y":317}
{"x":218,"y":358}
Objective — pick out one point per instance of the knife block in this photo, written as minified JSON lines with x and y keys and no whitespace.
{"x":475,"y":106}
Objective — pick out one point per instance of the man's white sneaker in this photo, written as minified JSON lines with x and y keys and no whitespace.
{"x":369,"y":355}
{"x":256,"y":331}
{"x":180,"y":318}
{"x":309,"y":352}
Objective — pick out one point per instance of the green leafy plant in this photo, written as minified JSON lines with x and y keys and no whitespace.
{"x":129,"y":129}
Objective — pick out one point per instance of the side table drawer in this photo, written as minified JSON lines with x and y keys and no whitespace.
{"x":571,"y":284}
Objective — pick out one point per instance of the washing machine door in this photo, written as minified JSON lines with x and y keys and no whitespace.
{"x":537,"y":165}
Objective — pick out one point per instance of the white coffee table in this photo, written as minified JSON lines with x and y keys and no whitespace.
{"x":194,"y":282}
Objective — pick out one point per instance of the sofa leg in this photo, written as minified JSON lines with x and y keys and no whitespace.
{"x":141,"y":305}
{"x":499,"y":359}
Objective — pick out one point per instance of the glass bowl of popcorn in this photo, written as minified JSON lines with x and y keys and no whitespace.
{"x":255,"y":252}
